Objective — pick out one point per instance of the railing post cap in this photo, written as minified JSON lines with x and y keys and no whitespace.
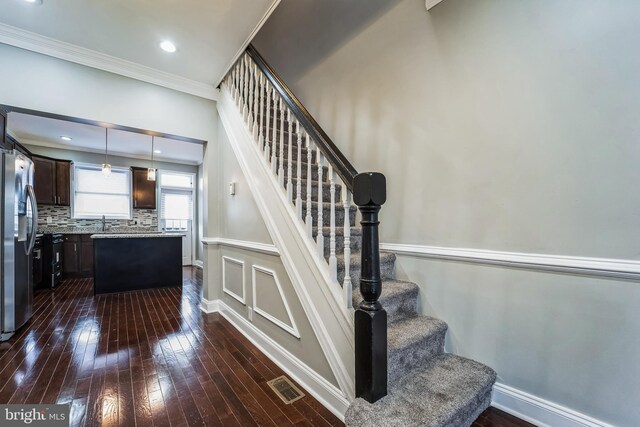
{"x":369,"y":188}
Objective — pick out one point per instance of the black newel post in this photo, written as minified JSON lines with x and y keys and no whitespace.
{"x":369,"y":193}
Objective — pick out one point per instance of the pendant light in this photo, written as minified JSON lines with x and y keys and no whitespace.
{"x":106,"y":167}
{"x":151,"y":172}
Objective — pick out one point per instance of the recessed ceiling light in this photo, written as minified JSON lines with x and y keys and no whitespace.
{"x":66,"y":138}
{"x":167,"y":46}
{"x":34,"y":1}
{"x":157,"y":151}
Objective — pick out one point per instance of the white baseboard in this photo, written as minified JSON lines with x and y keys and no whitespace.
{"x":325,"y":392}
{"x":209,"y":306}
{"x":538,"y":411}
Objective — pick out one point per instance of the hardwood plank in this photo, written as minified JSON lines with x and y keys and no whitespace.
{"x":151,"y":358}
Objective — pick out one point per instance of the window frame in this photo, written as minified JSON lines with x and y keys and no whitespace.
{"x":74,"y":191}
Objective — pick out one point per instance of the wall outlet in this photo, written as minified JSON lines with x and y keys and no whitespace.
{"x":250,"y":314}
{"x":232,"y":188}
{"x":49,"y":220}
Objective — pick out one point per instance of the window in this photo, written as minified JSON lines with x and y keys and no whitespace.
{"x":95,"y":194}
{"x":176,"y":201}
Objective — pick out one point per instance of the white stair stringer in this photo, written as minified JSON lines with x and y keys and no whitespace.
{"x":319,"y":295}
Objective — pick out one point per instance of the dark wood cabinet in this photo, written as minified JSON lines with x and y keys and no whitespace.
{"x":77,"y":255}
{"x":44,"y":182}
{"x":144,"y":191}
{"x":63,"y":182}
{"x":52,"y":181}
{"x":70,"y":254}
{"x":86,"y":255}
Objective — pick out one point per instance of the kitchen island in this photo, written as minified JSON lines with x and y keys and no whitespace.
{"x":127,"y":262}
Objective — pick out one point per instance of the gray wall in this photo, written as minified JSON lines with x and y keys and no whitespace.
{"x":501,"y":125}
{"x":239,"y":219}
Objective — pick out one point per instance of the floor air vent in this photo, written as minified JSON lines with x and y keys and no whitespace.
{"x":285,"y":389}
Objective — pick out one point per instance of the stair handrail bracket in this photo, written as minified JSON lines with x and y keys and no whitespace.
{"x":369,"y":194}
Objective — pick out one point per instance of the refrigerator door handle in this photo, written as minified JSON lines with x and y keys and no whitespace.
{"x":34,"y":218}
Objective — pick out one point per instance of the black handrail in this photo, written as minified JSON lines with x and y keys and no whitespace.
{"x":342,"y":166}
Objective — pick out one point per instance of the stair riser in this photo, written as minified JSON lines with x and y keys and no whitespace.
{"x":356,"y":244}
{"x":326,"y":215}
{"x":304,"y":172}
{"x":294,"y":156}
{"x":326,"y":192}
{"x":397,"y":308}
{"x":402,"y":361}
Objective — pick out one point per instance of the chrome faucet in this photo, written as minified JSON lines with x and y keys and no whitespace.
{"x":104,"y":224}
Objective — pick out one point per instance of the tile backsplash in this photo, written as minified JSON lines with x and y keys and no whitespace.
{"x":142,"y":219}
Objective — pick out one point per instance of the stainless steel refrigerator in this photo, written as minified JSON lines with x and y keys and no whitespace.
{"x":19,"y":226}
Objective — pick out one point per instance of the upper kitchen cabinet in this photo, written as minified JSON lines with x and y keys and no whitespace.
{"x":52,"y":182}
{"x":144,"y":191}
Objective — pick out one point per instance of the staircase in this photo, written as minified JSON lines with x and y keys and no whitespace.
{"x":425,"y":386}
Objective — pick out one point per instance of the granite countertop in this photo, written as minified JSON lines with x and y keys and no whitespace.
{"x":96,"y":230}
{"x":134,"y":235}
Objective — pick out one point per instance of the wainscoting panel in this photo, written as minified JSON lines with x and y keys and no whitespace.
{"x":266,"y":284}
{"x":233,"y":283}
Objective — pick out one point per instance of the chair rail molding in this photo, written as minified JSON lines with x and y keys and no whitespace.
{"x":585,"y":266}
{"x":264,"y":248}
{"x":33,"y":42}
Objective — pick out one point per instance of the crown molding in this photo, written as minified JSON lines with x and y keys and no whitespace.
{"x":62,"y":50}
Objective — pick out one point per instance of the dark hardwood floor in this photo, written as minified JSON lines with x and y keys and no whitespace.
{"x":148,"y":358}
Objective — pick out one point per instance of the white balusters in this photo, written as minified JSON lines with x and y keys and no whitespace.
{"x":256,"y":92}
{"x":265,"y":113}
{"x":268,"y":111}
{"x":299,"y":173}
{"x":274,"y":142}
{"x":320,"y":238}
{"x":346,"y":283}
{"x":309,"y":219}
{"x":290,"y":157}
{"x":333,"y":261}
{"x":246,"y":89}
{"x":261,"y":127}
{"x":281,"y":166}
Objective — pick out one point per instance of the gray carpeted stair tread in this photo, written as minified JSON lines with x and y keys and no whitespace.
{"x":447,"y":391}
{"x":412,"y":342}
{"x":398,"y":298}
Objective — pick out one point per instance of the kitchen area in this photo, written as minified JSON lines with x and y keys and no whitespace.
{"x":91,"y":200}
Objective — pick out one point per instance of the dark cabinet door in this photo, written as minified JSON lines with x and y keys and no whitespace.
{"x":71,"y":254}
{"x":144,"y":191}
{"x":45,"y":180}
{"x":63,"y":182}
{"x":86,"y":255}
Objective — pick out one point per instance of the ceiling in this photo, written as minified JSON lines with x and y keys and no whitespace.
{"x":43,"y":131}
{"x":123,"y":33}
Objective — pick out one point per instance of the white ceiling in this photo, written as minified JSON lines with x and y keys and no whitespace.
{"x":208,"y":33}
{"x":46,"y":132}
